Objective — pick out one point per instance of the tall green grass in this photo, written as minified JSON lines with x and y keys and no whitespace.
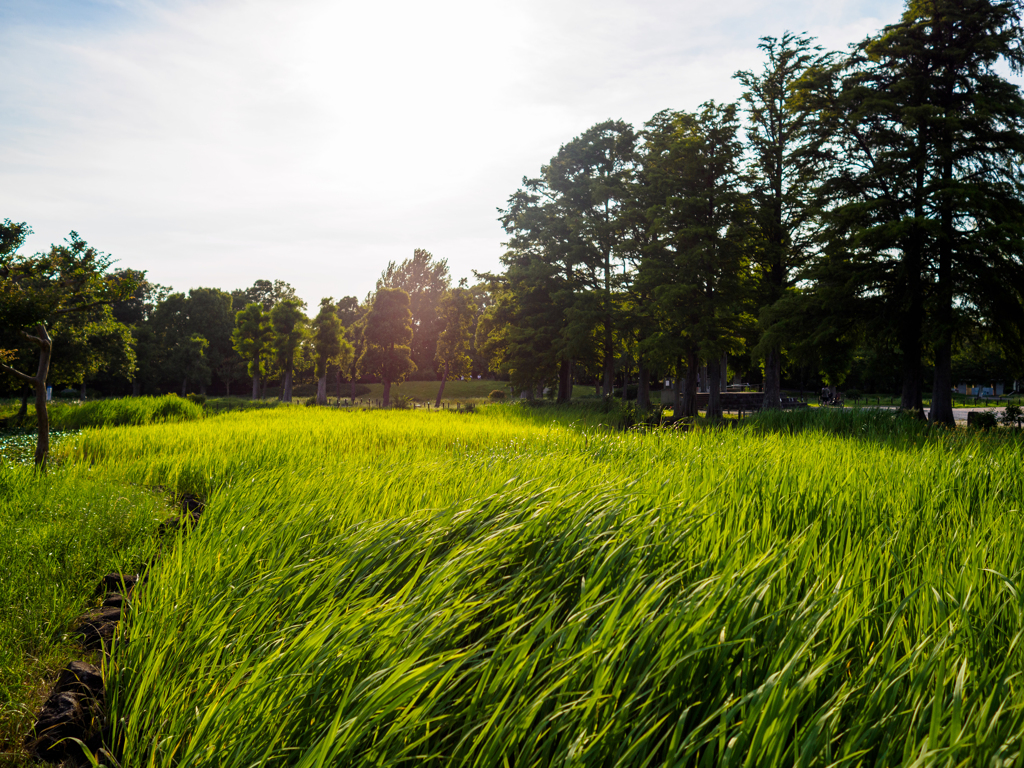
{"x":502,"y":589}
{"x":59,"y":532}
{"x":115,"y":412}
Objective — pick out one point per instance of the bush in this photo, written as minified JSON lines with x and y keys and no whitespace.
{"x":853,"y":394}
{"x":310,"y":401}
{"x":401,"y":402}
{"x":67,"y":394}
{"x":197,"y":399}
{"x":982,"y":420}
{"x":497,"y":394}
{"x":1012,"y":416}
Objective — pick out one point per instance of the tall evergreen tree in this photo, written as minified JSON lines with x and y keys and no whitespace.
{"x":783,"y":170}
{"x":927,"y":202}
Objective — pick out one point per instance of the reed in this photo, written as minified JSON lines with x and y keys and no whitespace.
{"x":503,"y":588}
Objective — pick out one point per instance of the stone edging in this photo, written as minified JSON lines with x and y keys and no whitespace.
{"x":74,"y":716}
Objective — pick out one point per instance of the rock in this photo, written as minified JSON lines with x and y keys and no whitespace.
{"x":81,"y":678}
{"x":65,"y":716}
{"x":117,"y":582}
{"x":95,"y":628}
{"x":192,"y":505}
{"x":116,"y":600}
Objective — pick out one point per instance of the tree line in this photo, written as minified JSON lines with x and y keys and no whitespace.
{"x":118,"y":327}
{"x":850,"y":206}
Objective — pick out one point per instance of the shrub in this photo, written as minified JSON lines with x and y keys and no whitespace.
{"x":197,"y":399}
{"x":982,"y":420}
{"x":853,"y":394}
{"x":497,"y":394}
{"x":68,"y":394}
{"x":1012,"y":415}
{"x":401,"y":402}
{"x":310,"y":401}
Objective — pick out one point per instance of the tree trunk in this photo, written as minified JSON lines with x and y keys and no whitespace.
{"x":256,"y":386}
{"x":690,"y":392}
{"x":565,"y":382}
{"x":942,"y":397}
{"x":440,"y":391}
{"x":286,"y":390}
{"x":202,"y":389}
{"x":677,"y":391}
{"x":714,"y":388}
{"x":772,"y":380}
{"x":227,"y":387}
{"x":43,"y":419}
{"x":911,"y":322}
{"x":136,"y":387}
{"x":45,"y":344}
{"x":353,"y":390}
{"x":643,"y":387}
{"x":387,"y":392}
{"x":321,"y":390}
{"x":83,"y":393}
{"x":184,"y":386}
{"x":609,"y":365}
{"x":339,"y":385}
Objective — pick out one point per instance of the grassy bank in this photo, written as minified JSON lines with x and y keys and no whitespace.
{"x":399,"y":588}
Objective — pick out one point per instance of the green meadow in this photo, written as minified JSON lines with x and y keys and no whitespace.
{"x":533,"y":586}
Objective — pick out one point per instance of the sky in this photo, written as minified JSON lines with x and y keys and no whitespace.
{"x":217,"y":142}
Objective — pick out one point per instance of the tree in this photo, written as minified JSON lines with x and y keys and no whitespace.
{"x":425,"y":279}
{"x":701,"y":263}
{"x":589,"y":178}
{"x":783,"y":171}
{"x":329,"y":345}
{"x":252,"y":340}
{"x":351,"y":315}
{"x":69,"y":284}
{"x":387,"y":335}
{"x":928,"y":203}
{"x":289,"y":331}
{"x":458,"y":315}
{"x":189,"y":358}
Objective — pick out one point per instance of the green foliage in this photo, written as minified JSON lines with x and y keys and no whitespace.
{"x":387,"y":335}
{"x":401,"y":402}
{"x":252,"y":338}
{"x":497,"y":394}
{"x":197,"y":399}
{"x":983,"y":420}
{"x":426,"y":280}
{"x":1012,"y":416}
